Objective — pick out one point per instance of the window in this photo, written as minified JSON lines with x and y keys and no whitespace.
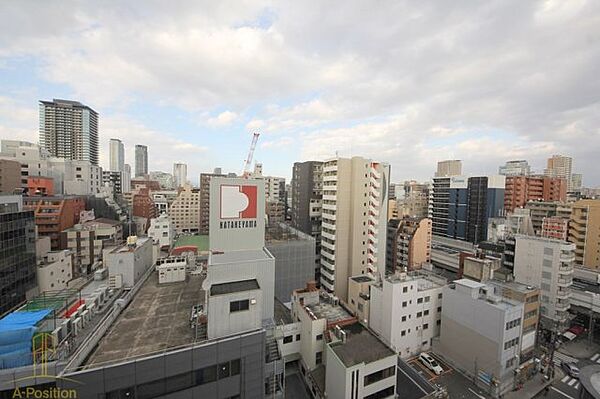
{"x":238,"y":306}
{"x":380,"y":375}
{"x":384,"y":393}
{"x":425,"y":326}
{"x":224,"y":370}
{"x":235,"y":367}
{"x":288,"y":339}
{"x":419,"y":314}
{"x":297,"y":337}
{"x":426,"y":312}
{"x":319,"y":358}
{"x":427,"y":299}
{"x":403,"y":318}
{"x":404,"y":304}
{"x":404,"y":290}
{"x":320,"y":337}
{"x":206,"y":375}
{"x":439,"y":323}
{"x":403,"y":333}
{"x":420,"y":300}
{"x":440,"y":295}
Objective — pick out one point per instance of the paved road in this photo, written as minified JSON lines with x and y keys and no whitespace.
{"x":568,"y":387}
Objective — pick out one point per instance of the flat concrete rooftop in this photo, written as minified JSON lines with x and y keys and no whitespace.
{"x":157,"y":318}
{"x":361,"y":346}
{"x":227,"y":257}
{"x":333,"y":313}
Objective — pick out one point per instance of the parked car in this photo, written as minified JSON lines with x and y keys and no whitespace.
{"x":570,"y":369}
{"x":567,"y":336}
{"x":430,"y":363}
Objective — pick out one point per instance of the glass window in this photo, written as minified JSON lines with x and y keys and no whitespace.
{"x":224,"y":370}
{"x":235,"y":367}
{"x":206,"y":375}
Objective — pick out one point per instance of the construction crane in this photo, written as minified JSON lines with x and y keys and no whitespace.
{"x":248,"y":161}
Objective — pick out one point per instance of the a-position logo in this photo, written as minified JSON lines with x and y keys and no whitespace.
{"x":238,"y":202}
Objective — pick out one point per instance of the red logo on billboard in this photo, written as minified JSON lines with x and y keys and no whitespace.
{"x":238,"y":202}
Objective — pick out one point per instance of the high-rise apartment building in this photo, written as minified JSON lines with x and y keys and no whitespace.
{"x":69,"y":129}
{"x":164,"y":179}
{"x":548,"y":264}
{"x":17,"y":252}
{"x":576,"y":182}
{"x":141,"y":160}
{"x":449,"y":168}
{"x":185,"y":210}
{"x":560,"y":166}
{"x":485,"y":200}
{"x":353,"y":234}
{"x":522,"y":189}
{"x":179,"y":174}
{"x":415,"y":202}
{"x":555,"y":227}
{"x":306,"y":204}
{"x":408,"y":244}
{"x":515,"y":168}
{"x":584,"y":232}
{"x":205,"y":179}
{"x":116,"y":155}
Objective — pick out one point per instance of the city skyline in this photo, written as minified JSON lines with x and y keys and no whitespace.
{"x":406,"y":94}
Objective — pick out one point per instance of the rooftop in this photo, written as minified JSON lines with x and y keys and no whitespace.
{"x":281,"y":232}
{"x":228,"y":257}
{"x":361,"y":346}
{"x":236,"y":286}
{"x":332,"y":313}
{"x":198,"y":241}
{"x":156,"y":319}
{"x":282,"y":313}
{"x":362,"y":279}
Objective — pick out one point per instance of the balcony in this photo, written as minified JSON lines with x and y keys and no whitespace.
{"x":325,"y":263}
{"x":563,"y":294}
{"x":562,"y":305}
{"x":564,"y":282}
{"x":565,"y":270}
{"x":327,"y":273}
{"x":325,"y":244}
{"x":328,"y":286}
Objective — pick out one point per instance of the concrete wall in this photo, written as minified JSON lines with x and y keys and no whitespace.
{"x":175,"y":372}
{"x":222,"y":322}
{"x":131,"y":264}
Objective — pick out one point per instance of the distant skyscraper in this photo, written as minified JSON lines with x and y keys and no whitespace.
{"x":447,"y":168}
{"x":560,"y":166}
{"x":69,"y":129}
{"x":116,"y":156}
{"x":126,"y":179}
{"x":141,"y":160}
{"x":515,"y":168}
{"x":179,"y":174}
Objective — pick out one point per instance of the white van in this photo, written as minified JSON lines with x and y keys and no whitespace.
{"x":430,"y":363}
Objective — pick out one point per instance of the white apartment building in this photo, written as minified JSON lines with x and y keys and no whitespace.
{"x":274,"y":187}
{"x":163,"y":200}
{"x":406,"y":311}
{"x":55,"y":270}
{"x":185,"y":210}
{"x":179,"y":174}
{"x":548,"y":264}
{"x":130,"y":261}
{"x":116,"y":155}
{"x":353,"y":238}
{"x":79,"y":177}
{"x":481,"y":333}
{"x":162,"y":231}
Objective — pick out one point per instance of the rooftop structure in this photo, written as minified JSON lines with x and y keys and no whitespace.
{"x":361,"y":346}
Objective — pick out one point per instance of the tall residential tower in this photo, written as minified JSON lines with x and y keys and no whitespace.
{"x":141,"y":160}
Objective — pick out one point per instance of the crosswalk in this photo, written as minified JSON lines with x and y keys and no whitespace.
{"x":561,"y":357}
{"x":596,"y":358}
{"x":570,"y":381}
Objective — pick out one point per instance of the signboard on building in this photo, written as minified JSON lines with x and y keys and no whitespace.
{"x":237,"y":214}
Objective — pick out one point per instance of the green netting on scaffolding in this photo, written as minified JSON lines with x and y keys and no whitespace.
{"x":51,"y":300}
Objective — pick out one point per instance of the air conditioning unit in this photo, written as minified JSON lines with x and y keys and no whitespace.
{"x":77,"y":326}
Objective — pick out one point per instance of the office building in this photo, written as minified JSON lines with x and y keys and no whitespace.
{"x":306,"y":190}
{"x":353,"y":235}
{"x":53,"y":215}
{"x":515,"y":168}
{"x":560,"y":166}
{"x":543,"y":209}
{"x":10,"y":176}
{"x":116,"y":155}
{"x":185,"y":210}
{"x":408,"y":244}
{"x":55,"y":271}
{"x":405,"y":311}
{"x":69,"y":130}
{"x":584,"y":232}
{"x":449,"y":168}
{"x":415,"y":201}
{"x":481,"y":334}
{"x":162,"y":231}
{"x":548,"y":264}
{"x":205,"y":200}
{"x":555,"y":227}
{"x":448,"y":207}
{"x":294,"y":254}
{"x":17,"y":252}
{"x":141,"y":160}
{"x":522,"y":189}
{"x":485,"y":200}
{"x":179,"y":174}
{"x":126,"y":179}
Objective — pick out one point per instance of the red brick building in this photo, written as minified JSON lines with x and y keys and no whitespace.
{"x":54,"y":215}
{"x":521,"y":189}
{"x":143,"y":205}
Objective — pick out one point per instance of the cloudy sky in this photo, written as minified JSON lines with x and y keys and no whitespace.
{"x":409,"y":83}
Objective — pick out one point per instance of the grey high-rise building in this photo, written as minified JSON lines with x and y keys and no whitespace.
{"x":116,"y":156}
{"x":17,"y":252}
{"x":141,"y":160}
{"x":69,"y":129}
{"x":307,"y":197}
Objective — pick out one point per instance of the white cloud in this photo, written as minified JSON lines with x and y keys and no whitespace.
{"x":279,"y":143}
{"x":225,"y":118}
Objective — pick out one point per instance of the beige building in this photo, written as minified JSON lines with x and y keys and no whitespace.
{"x":415,"y":202}
{"x":55,"y":270}
{"x":543,"y":209}
{"x":448,"y":168}
{"x":10,"y":175}
{"x":584,"y":232}
{"x":560,"y":166}
{"x":408,"y":244}
{"x":353,"y":235}
{"x":185,"y":210}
